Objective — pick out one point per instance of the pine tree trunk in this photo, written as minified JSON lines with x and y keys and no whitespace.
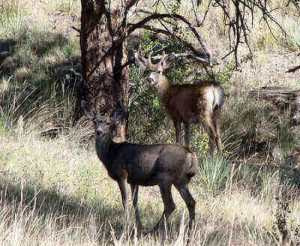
{"x":104,"y":79}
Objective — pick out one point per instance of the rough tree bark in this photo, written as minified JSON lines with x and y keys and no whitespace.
{"x":103,"y":78}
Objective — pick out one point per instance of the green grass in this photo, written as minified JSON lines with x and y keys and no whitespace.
{"x":214,"y":174}
{"x":44,"y":76}
{"x":40,"y":83}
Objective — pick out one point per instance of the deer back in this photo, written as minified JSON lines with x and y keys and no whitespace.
{"x":150,"y":164}
{"x":191,"y":102}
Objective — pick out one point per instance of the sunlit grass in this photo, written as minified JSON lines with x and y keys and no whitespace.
{"x":59,"y":190}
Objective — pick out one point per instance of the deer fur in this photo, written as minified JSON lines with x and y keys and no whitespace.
{"x":147,"y":165}
{"x":187,"y":103}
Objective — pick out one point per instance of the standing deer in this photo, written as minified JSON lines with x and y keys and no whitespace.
{"x":147,"y":165}
{"x":187,"y":103}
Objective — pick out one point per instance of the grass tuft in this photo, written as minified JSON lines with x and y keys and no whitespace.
{"x":214,"y":174}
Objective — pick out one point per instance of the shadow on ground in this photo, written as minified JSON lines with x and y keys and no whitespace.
{"x":69,"y":211}
{"x":65,"y":210}
{"x":39,"y":70}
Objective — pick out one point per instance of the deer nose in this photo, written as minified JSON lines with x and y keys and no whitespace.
{"x":151,"y":81}
{"x":99,"y":132}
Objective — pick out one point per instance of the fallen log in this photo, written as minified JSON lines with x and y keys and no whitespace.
{"x":284,"y":98}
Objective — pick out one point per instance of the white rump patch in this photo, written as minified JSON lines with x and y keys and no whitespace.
{"x":214,"y":96}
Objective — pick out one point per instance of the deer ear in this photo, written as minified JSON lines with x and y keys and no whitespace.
{"x":140,"y":61}
{"x":87,"y":110}
{"x":166,"y":62}
{"x":120,"y":114}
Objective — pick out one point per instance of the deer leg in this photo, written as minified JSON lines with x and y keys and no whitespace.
{"x":187,"y":134}
{"x":177,"y":124}
{"x":190,"y":203}
{"x":134,"y":192}
{"x":122,"y":187}
{"x":169,"y":205}
{"x":211,"y":142}
{"x":217,"y":127}
{"x":210,"y":129}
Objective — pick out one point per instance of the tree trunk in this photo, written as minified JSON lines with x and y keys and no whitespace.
{"x":103,"y":78}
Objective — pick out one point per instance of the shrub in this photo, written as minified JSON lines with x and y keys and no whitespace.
{"x":214,"y":173}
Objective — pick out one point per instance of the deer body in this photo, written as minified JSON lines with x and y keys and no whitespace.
{"x":182,"y":101}
{"x":147,"y":165}
{"x":188,"y":103}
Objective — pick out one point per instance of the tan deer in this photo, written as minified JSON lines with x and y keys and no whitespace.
{"x":187,"y":103}
{"x":147,"y":165}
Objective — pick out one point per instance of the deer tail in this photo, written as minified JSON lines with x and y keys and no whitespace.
{"x":193,"y":163}
{"x":218,"y":98}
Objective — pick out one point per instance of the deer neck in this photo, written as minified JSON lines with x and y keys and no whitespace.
{"x":103,"y":149}
{"x":163,"y":86}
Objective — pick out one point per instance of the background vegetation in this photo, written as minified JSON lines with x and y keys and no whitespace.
{"x":54,"y":190}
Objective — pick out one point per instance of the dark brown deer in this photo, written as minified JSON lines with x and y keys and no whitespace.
{"x":187,"y":103}
{"x":147,"y":165}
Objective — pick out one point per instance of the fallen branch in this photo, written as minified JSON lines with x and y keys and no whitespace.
{"x":294,"y":69}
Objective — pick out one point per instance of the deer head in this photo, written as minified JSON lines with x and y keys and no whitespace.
{"x":156,"y":76}
{"x":104,"y":125}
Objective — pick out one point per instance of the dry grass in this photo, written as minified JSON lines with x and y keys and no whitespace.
{"x":57,"y":192}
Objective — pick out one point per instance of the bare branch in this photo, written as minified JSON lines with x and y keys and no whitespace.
{"x":296,"y":3}
{"x":294,"y":69}
{"x":200,"y":23}
{"x":76,"y":29}
{"x":186,"y":54}
{"x":142,"y":24}
{"x":156,"y":16}
{"x":237,"y":24}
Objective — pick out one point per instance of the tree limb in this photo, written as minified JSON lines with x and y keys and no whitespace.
{"x":142,"y":24}
{"x":238,"y":24}
{"x":294,"y":69}
{"x":155,"y":16}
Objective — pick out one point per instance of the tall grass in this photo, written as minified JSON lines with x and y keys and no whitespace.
{"x":214,"y":174}
{"x":23,"y":110}
{"x":12,"y":18}
{"x":58,"y":191}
